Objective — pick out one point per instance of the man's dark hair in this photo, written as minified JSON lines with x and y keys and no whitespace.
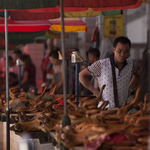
{"x":122,"y":40}
{"x":54,"y":54}
{"x":19,"y":52}
{"x":94,"y":51}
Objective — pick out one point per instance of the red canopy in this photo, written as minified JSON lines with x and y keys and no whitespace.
{"x":26,"y":15}
{"x":96,"y":5}
{"x":57,"y":9}
{"x":102,"y":4}
{"x":25,"y":26}
{"x":70,"y":24}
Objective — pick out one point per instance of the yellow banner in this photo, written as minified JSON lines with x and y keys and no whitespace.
{"x":87,"y":13}
{"x":113,"y":26}
{"x":68,"y":28}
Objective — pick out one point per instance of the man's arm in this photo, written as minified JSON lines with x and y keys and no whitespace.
{"x":134,"y":81}
{"x":86,"y":83}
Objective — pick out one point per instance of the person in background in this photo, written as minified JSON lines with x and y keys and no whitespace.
{"x":93,"y":55}
{"x":58,"y":72}
{"x":47,"y":71}
{"x":125,"y":69}
{"x":144,"y":71}
{"x":13,"y":72}
{"x":17,"y":54}
{"x":29,"y":73}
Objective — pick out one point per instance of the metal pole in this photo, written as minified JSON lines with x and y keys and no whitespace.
{"x":7,"y":85}
{"x":63,"y":57}
{"x":65,"y":118}
{"x":77,"y":82}
{"x":67,"y":76}
{"x":149,"y":65}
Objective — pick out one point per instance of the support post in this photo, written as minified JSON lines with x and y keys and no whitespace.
{"x":7,"y":85}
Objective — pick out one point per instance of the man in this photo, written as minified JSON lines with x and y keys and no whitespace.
{"x":124,"y":68}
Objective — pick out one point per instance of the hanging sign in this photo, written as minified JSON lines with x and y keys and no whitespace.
{"x":113,"y":26}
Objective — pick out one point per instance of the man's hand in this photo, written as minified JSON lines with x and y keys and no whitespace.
{"x":96,"y":93}
{"x":50,"y":86}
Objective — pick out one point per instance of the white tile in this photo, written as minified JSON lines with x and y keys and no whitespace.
{"x":4,"y":125}
{"x":18,"y":139}
{"x":4,"y":132}
{"x":11,"y":143}
{"x":11,"y":135}
{"x":15,"y":145}
{"x":4,"y":139}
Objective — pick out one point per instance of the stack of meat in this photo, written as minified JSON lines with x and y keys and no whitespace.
{"x":92,"y":127}
{"x":114,"y":129}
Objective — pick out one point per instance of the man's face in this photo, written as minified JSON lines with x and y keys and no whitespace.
{"x":54,"y":61}
{"x":121,"y":52}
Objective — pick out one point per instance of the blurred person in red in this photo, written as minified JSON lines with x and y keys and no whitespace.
{"x":13,"y":71}
{"x":47,"y":71}
{"x":58,"y":72}
{"x":29,"y":73}
{"x":2,"y":74}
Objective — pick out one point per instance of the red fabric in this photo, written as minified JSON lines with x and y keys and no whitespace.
{"x":31,"y":73}
{"x":116,"y":122}
{"x":60,"y":102}
{"x":93,"y":39}
{"x":103,"y":4}
{"x":96,"y":5}
{"x":26,"y":15}
{"x":44,"y":70}
{"x":24,"y":26}
{"x":57,"y":9}
{"x":124,"y":6}
{"x":44,"y":64}
{"x":68,"y":21}
{"x":117,"y":137}
{"x":94,"y":144}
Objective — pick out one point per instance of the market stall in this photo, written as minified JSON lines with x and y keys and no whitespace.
{"x":85,"y":114}
{"x":91,"y":127}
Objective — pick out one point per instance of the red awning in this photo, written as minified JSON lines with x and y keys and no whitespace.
{"x":57,"y":9}
{"x":70,"y":25}
{"x":96,"y":5}
{"x":26,"y":15}
{"x":123,"y":4}
{"x":103,"y":4}
{"x":24,"y":26}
